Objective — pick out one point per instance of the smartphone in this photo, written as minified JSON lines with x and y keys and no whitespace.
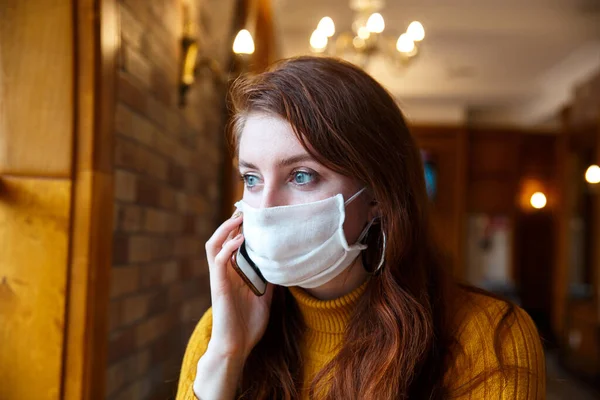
{"x":248,"y":271}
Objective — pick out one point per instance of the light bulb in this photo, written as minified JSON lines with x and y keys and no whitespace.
{"x":243,"y":43}
{"x":358,"y":42}
{"x":318,"y":40}
{"x":592,"y":175}
{"x":416,"y":31}
{"x":363,"y":33}
{"x":375,"y":23}
{"x":405,"y":44}
{"x":326,"y":26}
{"x":538,"y":200}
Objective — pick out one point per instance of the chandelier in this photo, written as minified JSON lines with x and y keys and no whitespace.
{"x":367,"y":38}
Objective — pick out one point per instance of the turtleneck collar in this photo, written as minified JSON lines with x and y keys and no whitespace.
{"x":327,"y":316}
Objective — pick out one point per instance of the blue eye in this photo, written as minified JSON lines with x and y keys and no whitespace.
{"x":302,"y":177}
{"x":250,"y":180}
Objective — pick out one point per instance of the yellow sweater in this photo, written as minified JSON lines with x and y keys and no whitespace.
{"x":326,"y":321}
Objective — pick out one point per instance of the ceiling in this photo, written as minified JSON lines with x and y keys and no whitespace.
{"x":482,"y":61}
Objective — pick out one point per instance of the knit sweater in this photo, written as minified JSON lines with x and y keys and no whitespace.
{"x":326,"y":321}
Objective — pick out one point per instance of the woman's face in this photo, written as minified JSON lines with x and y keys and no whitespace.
{"x":277,"y":171}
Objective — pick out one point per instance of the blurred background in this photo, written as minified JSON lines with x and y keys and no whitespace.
{"x":114,"y":169}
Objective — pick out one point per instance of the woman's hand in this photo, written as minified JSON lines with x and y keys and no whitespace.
{"x":239,"y":316}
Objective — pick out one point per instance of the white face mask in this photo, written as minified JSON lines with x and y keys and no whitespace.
{"x":300,"y":245}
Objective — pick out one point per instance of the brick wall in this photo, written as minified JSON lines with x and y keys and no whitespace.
{"x":167,"y":193}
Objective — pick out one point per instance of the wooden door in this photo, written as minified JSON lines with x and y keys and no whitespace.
{"x":534,"y":264}
{"x":56,"y":66}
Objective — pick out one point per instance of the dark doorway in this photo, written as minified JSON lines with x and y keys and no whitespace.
{"x":534,"y":264}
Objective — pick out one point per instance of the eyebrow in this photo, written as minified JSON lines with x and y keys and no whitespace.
{"x":281,"y":163}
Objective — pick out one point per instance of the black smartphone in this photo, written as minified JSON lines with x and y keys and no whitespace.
{"x":248,"y":271}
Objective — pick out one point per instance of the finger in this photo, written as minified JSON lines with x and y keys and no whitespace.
{"x":228,"y":248}
{"x":215,"y":243}
{"x":234,"y":232}
{"x":218,"y":272}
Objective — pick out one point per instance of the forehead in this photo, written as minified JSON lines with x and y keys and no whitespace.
{"x":265,"y":136}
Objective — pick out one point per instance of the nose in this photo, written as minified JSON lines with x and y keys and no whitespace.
{"x":272,"y":196}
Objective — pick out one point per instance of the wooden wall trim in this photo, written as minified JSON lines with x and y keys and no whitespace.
{"x":86,"y":331}
{"x":595,"y":278}
{"x":264,"y":34}
{"x":562,"y":231}
{"x":462,"y":172}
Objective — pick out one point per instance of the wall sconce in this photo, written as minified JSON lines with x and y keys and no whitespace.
{"x":592,"y":175}
{"x":192,"y":65}
{"x":243,"y":43}
{"x":538,"y":200}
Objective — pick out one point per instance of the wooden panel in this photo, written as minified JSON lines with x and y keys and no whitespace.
{"x":492,"y":169}
{"x":93,"y":200}
{"x":34,"y":241}
{"x":538,"y":157}
{"x":582,"y":349}
{"x":36,"y":61}
{"x":577,"y":321}
{"x":493,"y":156}
{"x":491,"y":196}
{"x":447,"y":146}
{"x":578,"y":146}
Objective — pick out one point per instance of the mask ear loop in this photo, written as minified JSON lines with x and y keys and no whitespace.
{"x":382,"y":260}
{"x":354,"y":196}
{"x":384,"y":247}
{"x":365,"y":231}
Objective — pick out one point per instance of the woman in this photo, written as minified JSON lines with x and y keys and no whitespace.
{"x":324,"y":152}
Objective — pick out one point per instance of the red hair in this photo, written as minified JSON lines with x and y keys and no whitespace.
{"x":399,"y":340}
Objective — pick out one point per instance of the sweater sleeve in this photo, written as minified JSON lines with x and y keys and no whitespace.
{"x":517,"y":371}
{"x":195,"y":349}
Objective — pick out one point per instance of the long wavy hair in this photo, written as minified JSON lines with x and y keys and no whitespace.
{"x":400,"y":338}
